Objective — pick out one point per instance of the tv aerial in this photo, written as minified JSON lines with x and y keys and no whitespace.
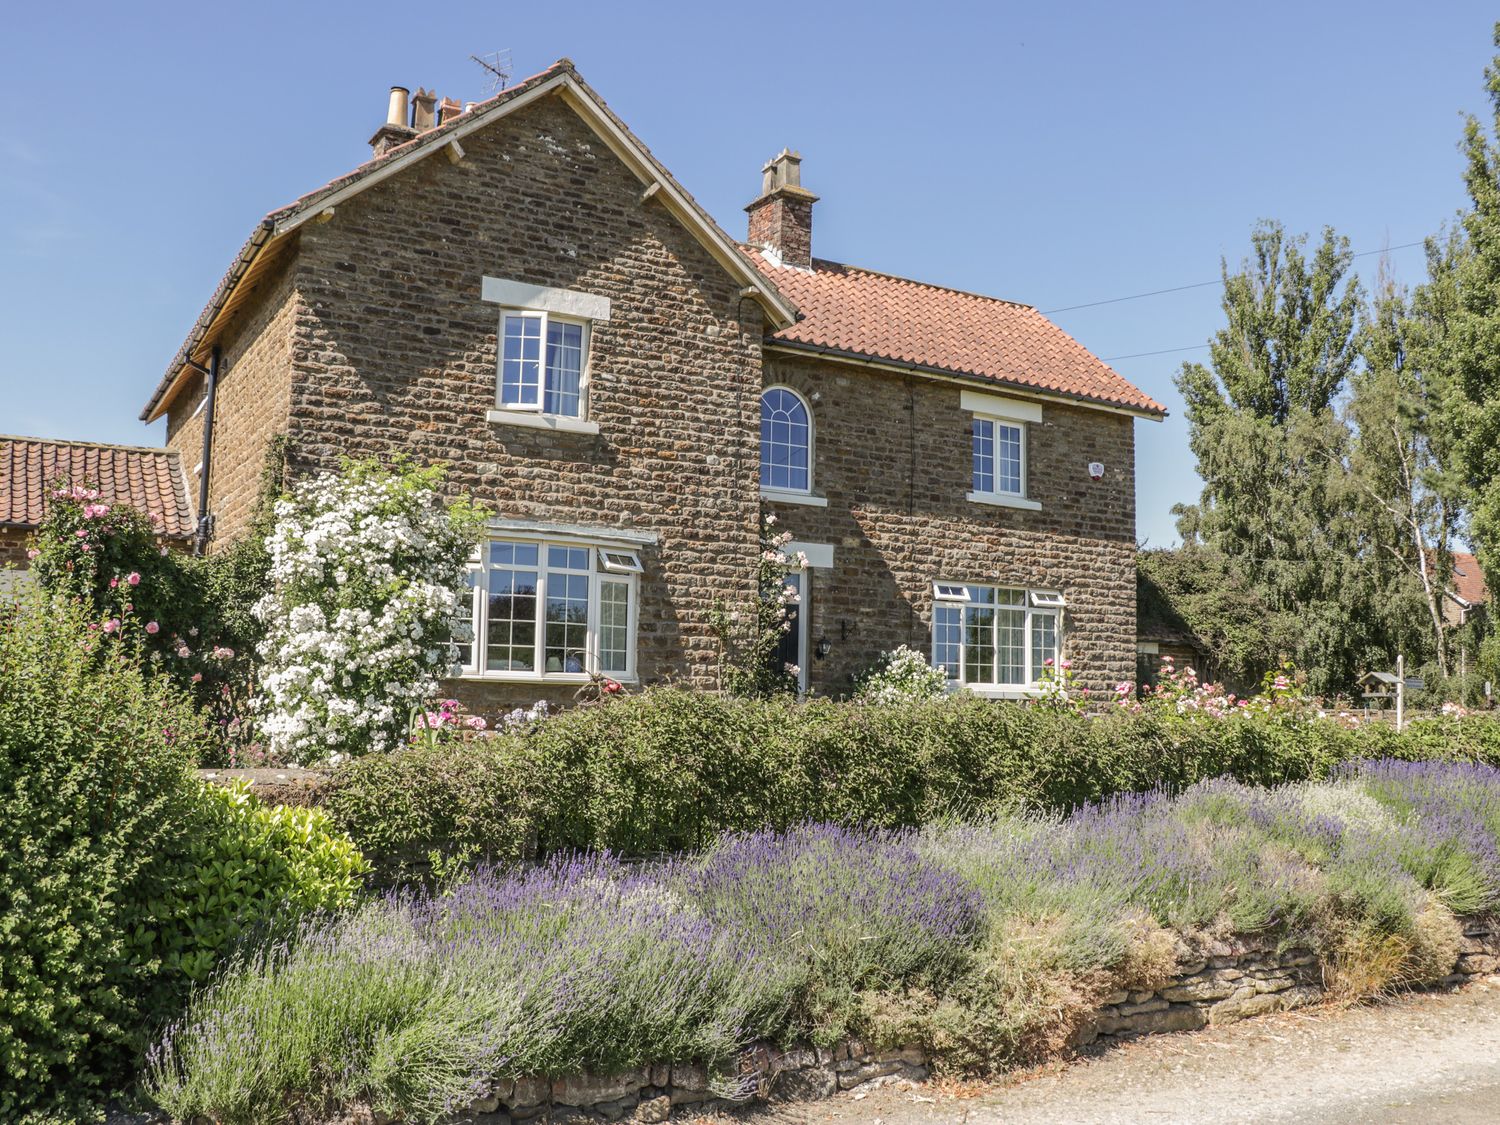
{"x":497,"y":65}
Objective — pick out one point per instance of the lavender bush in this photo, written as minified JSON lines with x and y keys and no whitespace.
{"x":985,"y":941}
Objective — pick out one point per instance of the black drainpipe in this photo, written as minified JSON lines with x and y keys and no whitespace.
{"x":205,"y":518}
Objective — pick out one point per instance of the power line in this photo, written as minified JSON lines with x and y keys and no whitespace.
{"x":1164,"y":351}
{"x":1200,"y":285}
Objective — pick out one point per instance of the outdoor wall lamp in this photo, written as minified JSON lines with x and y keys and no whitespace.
{"x":823,"y":649}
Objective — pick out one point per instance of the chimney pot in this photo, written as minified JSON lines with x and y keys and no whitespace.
{"x":447,"y":110}
{"x":396,"y":130}
{"x":396,"y":112}
{"x":423,"y":104}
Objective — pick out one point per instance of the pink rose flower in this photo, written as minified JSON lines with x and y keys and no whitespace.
{"x":197,"y":677}
{"x":134,"y":578}
{"x":113,"y":583}
{"x":112,"y":624}
{"x":153,"y":628}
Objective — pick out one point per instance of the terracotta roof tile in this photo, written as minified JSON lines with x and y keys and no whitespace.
{"x":860,"y":312}
{"x":1468,"y":579}
{"x":148,"y":479}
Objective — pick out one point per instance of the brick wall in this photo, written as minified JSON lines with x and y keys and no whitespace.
{"x":13,"y":544}
{"x":892,"y":455}
{"x":396,"y":352}
{"x":250,"y":406}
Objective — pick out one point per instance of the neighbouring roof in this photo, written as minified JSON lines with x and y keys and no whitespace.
{"x":1468,"y":580}
{"x":858,"y":312}
{"x":561,"y":78}
{"x":1157,"y":619}
{"x":150,"y":480}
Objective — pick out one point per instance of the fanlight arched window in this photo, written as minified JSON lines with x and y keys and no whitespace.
{"x":785,"y":441}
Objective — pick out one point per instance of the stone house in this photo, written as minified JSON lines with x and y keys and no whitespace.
{"x":150,"y":480}
{"x":1467,"y":593}
{"x":519,"y":289}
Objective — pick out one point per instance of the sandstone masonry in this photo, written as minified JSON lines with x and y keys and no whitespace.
{"x":365,"y":331}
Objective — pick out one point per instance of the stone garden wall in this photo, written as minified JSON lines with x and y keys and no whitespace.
{"x":1228,"y":983}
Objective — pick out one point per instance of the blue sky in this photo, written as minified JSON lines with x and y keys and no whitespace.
{"x":1053,"y":154}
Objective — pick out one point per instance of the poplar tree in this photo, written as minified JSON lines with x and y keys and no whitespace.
{"x":1272,"y":449}
{"x":1473,"y":341}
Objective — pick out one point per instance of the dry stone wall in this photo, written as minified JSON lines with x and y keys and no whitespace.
{"x":1224,"y":985}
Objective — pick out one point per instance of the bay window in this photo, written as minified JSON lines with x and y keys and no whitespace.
{"x":541,"y":610}
{"x":995,"y":637}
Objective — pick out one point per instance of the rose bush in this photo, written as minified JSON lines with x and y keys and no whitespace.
{"x":366,"y":569}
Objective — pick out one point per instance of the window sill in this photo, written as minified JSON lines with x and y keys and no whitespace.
{"x":997,"y":691}
{"x":542,"y":679}
{"x":1003,"y":500}
{"x":556,"y":422}
{"x":780,"y":496}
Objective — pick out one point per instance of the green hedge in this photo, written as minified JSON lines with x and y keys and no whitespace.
{"x":669,"y":770}
{"x":123,"y":878}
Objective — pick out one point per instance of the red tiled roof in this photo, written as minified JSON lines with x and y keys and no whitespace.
{"x":148,"y":479}
{"x":1468,"y":579}
{"x":863,"y":313}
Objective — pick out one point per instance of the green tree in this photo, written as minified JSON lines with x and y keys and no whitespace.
{"x":1473,"y":337}
{"x":1271,"y":448}
{"x":1400,"y":411}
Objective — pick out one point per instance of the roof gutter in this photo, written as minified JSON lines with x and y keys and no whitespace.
{"x":903,"y":367}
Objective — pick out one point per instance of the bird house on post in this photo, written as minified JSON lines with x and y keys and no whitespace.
{"x":1390,"y":688}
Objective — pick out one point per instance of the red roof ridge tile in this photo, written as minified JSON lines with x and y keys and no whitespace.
{"x":91,"y":444}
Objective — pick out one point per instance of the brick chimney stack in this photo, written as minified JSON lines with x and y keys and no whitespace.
{"x":397,"y":129}
{"x":781,"y":217}
{"x":423,"y":110}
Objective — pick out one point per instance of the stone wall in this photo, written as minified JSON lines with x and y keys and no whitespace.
{"x":892,"y":457}
{"x":250,"y":407}
{"x":1239,"y":981}
{"x":395,"y":352}
{"x":1227,"y":983}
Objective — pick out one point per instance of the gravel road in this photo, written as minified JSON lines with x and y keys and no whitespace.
{"x":1430,"y":1059}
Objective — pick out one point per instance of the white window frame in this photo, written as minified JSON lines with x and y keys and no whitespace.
{"x":568,"y":305}
{"x":538,"y":408}
{"x":1034,"y":604}
{"x":616,"y":560}
{"x":1018,"y":414}
{"x":793,"y":495}
{"x":598,"y":575}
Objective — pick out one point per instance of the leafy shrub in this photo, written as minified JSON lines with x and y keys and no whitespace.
{"x":366,"y":567}
{"x":122,"y":876}
{"x":668,"y":770}
{"x":95,"y":784}
{"x":246,"y":865}
{"x":899,"y":675}
{"x":750,"y":635}
{"x":189,"y":612}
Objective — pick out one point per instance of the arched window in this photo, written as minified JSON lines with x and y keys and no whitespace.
{"x":785,"y":441}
